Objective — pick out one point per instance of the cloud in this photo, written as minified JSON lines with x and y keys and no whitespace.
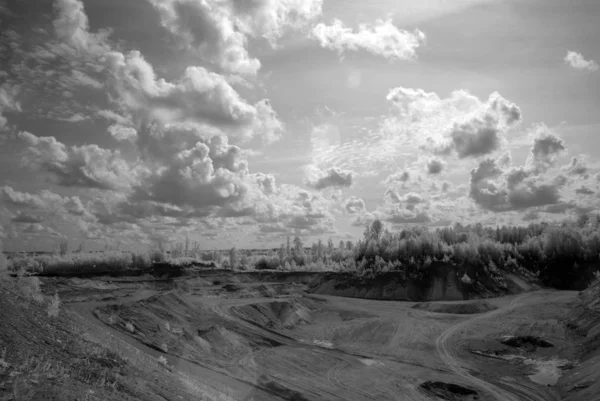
{"x":199,"y":97}
{"x":203,"y":176}
{"x":496,"y":186}
{"x":460,"y":123}
{"x":404,"y":216}
{"x":74,"y":118}
{"x":296,"y":209}
{"x":219,"y":31}
{"x":411,"y":198}
{"x":122,"y":132}
{"x":400,"y":176}
{"x":483,"y":132}
{"x":330,"y":178}
{"x":578,"y":166}
{"x":354,"y":205}
{"x":583,"y":190}
{"x":37,"y":228}
{"x":83,"y":79}
{"x":382,"y":38}
{"x":435,"y":165}
{"x":24,"y":217}
{"x":72,"y":27}
{"x":113,"y":116}
{"x":419,"y":121}
{"x":44,"y":200}
{"x":87,"y":166}
{"x":545,"y":150}
{"x":577,"y":61}
{"x":8,"y":101}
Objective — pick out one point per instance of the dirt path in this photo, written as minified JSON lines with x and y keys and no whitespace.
{"x":448,"y":352}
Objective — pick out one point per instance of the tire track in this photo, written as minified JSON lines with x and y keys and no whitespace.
{"x":450,"y":358}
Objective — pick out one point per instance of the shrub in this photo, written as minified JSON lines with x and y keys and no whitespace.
{"x":264,"y":263}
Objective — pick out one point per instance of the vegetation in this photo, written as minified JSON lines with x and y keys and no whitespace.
{"x":557,"y":254}
{"x":553,"y":252}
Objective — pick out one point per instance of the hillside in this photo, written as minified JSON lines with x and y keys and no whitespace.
{"x":583,"y":382}
{"x":50,"y":354}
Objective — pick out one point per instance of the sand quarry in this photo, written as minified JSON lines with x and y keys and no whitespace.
{"x":282,"y":337}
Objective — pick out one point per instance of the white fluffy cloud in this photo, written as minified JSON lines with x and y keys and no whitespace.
{"x":199,"y":97}
{"x":72,"y":27}
{"x":330,"y":178}
{"x":577,"y":61}
{"x":382,"y":38}
{"x":122,"y":132}
{"x":194,"y":178}
{"x":219,"y":31}
{"x":87,"y":166}
{"x":461,"y":123}
{"x":44,"y":201}
{"x":354,"y":205}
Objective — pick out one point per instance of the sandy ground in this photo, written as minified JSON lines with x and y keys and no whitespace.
{"x":266,"y":341}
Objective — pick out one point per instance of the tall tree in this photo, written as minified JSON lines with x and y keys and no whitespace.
{"x":376,"y":229}
{"x":232,"y":257}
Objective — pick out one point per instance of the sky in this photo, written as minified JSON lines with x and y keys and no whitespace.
{"x":239,"y":123}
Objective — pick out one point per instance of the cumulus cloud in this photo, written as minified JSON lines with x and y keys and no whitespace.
{"x":578,"y":166}
{"x":496,"y":186}
{"x":547,"y":147}
{"x":195,"y":177}
{"x":198,"y":97}
{"x":72,"y":27}
{"x":399,"y":176}
{"x":298,"y":210}
{"x":382,"y":38}
{"x":35,"y":208}
{"x":330,"y":178}
{"x":410,"y":198}
{"x":354,"y":205}
{"x":87,"y":166}
{"x":461,"y":122}
{"x":577,"y":61}
{"x":483,"y":132}
{"x":122,"y":132}
{"x":219,"y":31}
{"x":435,"y":165}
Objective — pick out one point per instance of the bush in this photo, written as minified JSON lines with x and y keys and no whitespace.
{"x":265,"y":263}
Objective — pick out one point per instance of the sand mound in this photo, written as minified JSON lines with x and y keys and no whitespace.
{"x":454,"y":307}
{"x":277,"y":315}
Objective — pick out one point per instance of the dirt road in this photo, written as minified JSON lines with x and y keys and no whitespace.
{"x":503,"y":390}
